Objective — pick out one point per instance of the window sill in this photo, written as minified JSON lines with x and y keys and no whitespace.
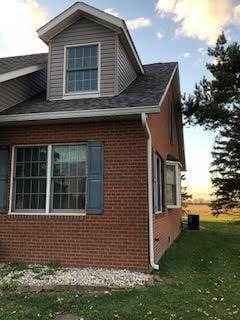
{"x":174,"y":207}
{"x":158,"y":212}
{"x":81,"y":95}
{"x":68,"y":214}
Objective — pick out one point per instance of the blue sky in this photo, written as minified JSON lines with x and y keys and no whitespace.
{"x":170,"y":30}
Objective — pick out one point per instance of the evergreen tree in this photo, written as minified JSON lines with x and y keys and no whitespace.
{"x":215,"y":105}
{"x":185,"y":195}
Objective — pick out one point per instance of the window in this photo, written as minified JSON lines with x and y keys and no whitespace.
{"x":30,"y":178}
{"x":173,"y":189}
{"x":157,"y":184}
{"x":62,"y":167}
{"x":82,"y":69}
{"x":69,"y":177}
{"x":171,"y":124}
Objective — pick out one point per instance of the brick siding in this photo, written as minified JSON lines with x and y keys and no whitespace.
{"x":167,"y":225}
{"x":117,"y":238}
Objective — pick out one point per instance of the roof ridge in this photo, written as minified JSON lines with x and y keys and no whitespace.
{"x":168,"y":62}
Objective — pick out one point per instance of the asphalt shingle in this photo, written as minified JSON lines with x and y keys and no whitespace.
{"x":10,"y":64}
{"x":146,"y":90}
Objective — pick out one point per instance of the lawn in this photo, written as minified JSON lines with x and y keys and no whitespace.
{"x":201,"y":281}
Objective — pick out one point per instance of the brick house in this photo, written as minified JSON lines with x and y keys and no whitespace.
{"x":91,"y":148}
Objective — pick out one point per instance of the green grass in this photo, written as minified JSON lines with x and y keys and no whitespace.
{"x":201,"y":273}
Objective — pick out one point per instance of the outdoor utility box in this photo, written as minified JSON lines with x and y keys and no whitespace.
{"x":193,"y":222}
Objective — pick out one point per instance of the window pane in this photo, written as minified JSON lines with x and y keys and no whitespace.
{"x":35,"y":154}
{"x":34,"y":169}
{"x":34,"y":201}
{"x":81,"y":201}
{"x":35,"y":188}
{"x":28,"y":154}
{"x":27,"y":186}
{"x":42,"y":202}
{"x":29,"y":190}
{"x":20,"y":154}
{"x":171,"y":188}
{"x":43,"y":154}
{"x":171,"y":195}
{"x":19,"y":169}
{"x":69,"y":177}
{"x":81,"y":185}
{"x":19,"y":186}
{"x":19,"y":202}
{"x":56,"y":201}
{"x":171,"y":177}
{"x":158,"y":184}
{"x":82,"y":69}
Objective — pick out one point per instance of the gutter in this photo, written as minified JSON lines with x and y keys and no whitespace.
{"x":150,"y":192}
{"x":78,"y":114}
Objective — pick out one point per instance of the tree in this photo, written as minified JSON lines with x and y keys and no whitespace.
{"x":215,"y":105}
{"x":185,"y":195}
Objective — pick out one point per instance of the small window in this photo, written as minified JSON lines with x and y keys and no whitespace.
{"x":157,"y":184}
{"x":82,"y":67}
{"x":173,"y":185}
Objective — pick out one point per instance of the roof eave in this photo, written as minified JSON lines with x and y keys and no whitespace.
{"x":4,"y":119}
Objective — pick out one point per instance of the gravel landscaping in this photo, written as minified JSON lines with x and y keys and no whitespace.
{"x":13,"y":276}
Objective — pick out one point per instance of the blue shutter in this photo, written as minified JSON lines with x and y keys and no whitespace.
{"x":95,"y":177}
{"x":4,"y":153}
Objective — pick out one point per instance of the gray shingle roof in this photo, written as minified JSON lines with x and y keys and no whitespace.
{"x":146,"y":90}
{"x":10,"y":64}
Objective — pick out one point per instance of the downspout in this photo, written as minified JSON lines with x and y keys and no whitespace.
{"x":150,"y":192}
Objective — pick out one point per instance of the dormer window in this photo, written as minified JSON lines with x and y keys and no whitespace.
{"x":82,"y":71}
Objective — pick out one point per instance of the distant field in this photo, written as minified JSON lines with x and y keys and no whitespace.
{"x":205,"y":213}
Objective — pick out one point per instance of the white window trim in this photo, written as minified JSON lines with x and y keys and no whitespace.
{"x":156,"y":195}
{"x":177,"y":166}
{"x":81,"y":94}
{"x":47,"y":212}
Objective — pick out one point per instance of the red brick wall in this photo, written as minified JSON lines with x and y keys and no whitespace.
{"x":119,"y":237}
{"x":167,"y":225}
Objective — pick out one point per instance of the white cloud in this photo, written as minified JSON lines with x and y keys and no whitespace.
{"x":112,"y":12}
{"x":202,"y":19}
{"x":132,"y":24}
{"x":19,"y":20}
{"x":138,"y":23}
{"x":187,"y":55}
{"x":236,"y":13}
{"x":201,"y":50}
{"x":159,"y":35}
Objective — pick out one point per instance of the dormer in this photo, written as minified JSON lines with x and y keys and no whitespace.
{"x":91,"y":54}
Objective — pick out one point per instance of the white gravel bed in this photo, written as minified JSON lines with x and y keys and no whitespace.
{"x":92,"y":277}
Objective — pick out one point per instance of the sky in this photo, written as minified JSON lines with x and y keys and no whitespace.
{"x":163,"y":30}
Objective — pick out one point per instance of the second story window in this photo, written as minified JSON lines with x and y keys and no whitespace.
{"x":82,"y":68}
